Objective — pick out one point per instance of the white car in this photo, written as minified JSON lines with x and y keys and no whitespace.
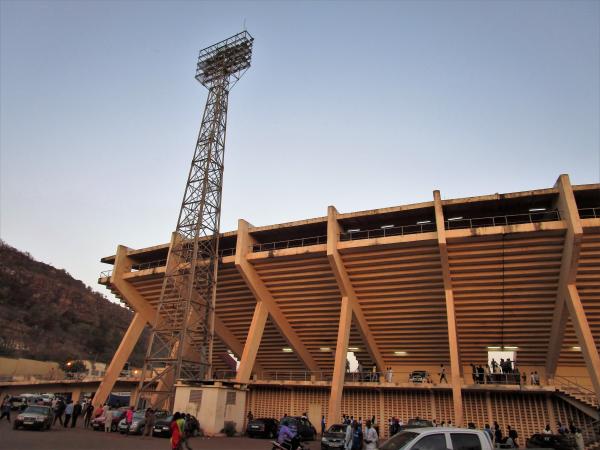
{"x":438,"y":438}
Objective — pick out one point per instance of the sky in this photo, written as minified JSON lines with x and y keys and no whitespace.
{"x":360,"y":105}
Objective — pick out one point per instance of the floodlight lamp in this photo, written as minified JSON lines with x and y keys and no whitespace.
{"x":228,"y":58}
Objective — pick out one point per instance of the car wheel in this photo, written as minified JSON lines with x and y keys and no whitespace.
{"x":113,"y":427}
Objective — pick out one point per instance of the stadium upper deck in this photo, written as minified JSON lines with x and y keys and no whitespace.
{"x":412,"y":286}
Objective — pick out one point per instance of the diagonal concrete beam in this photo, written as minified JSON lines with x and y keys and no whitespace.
{"x":348,"y":307}
{"x":262,"y":294}
{"x":568,"y":270}
{"x":456,"y":380}
{"x":145,"y":314}
{"x":346,"y":288}
{"x":584,"y":337}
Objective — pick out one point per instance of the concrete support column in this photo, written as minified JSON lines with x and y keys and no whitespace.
{"x":567,"y":208}
{"x":584,"y":337}
{"x":339,"y":368}
{"x":455,"y":371}
{"x":132,"y":335}
{"x":257,"y":327}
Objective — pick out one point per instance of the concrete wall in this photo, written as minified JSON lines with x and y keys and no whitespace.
{"x":28,"y":368}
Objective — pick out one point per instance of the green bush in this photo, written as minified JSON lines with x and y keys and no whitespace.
{"x":229,"y":429}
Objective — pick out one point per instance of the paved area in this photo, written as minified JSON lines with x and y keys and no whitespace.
{"x":59,"y":438}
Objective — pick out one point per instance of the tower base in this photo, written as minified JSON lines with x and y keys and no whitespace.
{"x":213,"y":405}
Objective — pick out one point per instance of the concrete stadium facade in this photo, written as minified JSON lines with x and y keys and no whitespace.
{"x":407,"y":288}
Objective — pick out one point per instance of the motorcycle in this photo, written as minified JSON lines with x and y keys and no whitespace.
{"x":294,"y":444}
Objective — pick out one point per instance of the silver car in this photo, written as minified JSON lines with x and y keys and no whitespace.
{"x":137,"y":424}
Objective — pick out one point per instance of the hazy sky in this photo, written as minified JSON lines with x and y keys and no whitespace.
{"x":359,"y":105}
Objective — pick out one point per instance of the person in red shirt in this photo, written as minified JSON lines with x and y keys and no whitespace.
{"x":175,"y":433}
{"x":129,"y":418}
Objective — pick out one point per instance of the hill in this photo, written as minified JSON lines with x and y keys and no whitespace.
{"x":46,"y":314}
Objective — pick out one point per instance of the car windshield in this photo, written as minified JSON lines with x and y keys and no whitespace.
{"x":337,"y":429}
{"x":399,"y":441}
{"x":139,"y":415}
{"x":36,"y":410}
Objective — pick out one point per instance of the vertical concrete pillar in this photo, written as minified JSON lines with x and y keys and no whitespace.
{"x":456,"y":380}
{"x":339,"y":368}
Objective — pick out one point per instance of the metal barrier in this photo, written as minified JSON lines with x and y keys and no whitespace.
{"x":291,"y":243}
{"x":149,"y":265}
{"x":551,"y":215}
{"x":589,"y":213}
{"x":402,"y":230}
{"x":573,"y":388}
{"x":106,"y":273}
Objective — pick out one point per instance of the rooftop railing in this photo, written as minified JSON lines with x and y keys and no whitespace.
{"x":589,"y":213}
{"x":291,"y":243}
{"x":455,"y":223}
{"x":149,"y":265}
{"x":391,"y":230}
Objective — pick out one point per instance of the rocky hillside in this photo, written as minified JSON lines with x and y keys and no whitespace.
{"x":46,"y":314}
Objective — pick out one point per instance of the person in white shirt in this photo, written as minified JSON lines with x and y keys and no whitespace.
{"x":107,"y":419}
{"x":348,"y":437}
{"x":371,"y":437}
{"x":547,"y":430}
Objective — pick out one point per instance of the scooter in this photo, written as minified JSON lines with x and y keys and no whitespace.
{"x":294,"y":444}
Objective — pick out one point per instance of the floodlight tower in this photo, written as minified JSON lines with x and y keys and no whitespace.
{"x":181,"y":344}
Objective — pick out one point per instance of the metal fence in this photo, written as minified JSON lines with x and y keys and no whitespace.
{"x":510,"y":219}
{"x":291,"y":243}
{"x":384,"y":231}
{"x":589,"y":213}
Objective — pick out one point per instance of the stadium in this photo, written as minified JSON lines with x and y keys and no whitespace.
{"x":404,"y":289}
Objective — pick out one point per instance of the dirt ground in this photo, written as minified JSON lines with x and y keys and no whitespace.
{"x":59,"y":438}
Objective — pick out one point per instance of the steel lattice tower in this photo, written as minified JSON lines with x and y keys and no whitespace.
{"x":182,"y":338}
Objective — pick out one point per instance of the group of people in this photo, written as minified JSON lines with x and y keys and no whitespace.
{"x":570,"y":430}
{"x":355,"y":438}
{"x":503,"y":372}
{"x":66,"y":412}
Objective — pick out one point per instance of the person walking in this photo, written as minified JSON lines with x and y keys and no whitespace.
{"x":513,"y":435}
{"x":59,"y":409}
{"x":150,"y":420}
{"x":76,"y":414}
{"x":322,"y":425}
{"x":348,"y":437}
{"x":129,"y":419}
{"x":89,"y":412}
{"x":443,"y":374}
{"x":497,"y":434}
{"x":579,"y":439}
{"x":108,"y":415}
{"x":5,"y":410}
{"x":357,"y":436}
{"x":175,"y":432}
{"x":371,"y":436}
{"x":68,"y":413}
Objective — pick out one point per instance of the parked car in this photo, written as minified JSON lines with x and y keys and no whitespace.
{"x":35,"y":416}
{"x":438,"y":438}
{"x":305,"y":429}
{"x":265,"y":427}
{"x":555,"y":441}
{"x":137,"y":424}
{"x":162,"y":427}
{"x":117,"y":415}
{"x":418,"y":376}
{"x":333,"y":438}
